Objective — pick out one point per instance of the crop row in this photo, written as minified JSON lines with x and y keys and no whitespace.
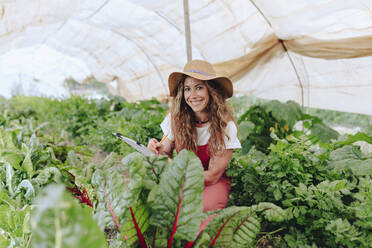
{"x":66,"y":181}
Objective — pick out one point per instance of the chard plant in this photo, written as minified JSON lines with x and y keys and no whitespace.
{"x":27,"y":166}
{"x":162,"y":205}
{"x":57,"y":220}
{"x":15,"y":228}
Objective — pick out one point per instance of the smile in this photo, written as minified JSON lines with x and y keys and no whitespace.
{"x":196,"y":102}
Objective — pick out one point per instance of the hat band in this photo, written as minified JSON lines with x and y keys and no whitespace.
{"x":200,"y":72}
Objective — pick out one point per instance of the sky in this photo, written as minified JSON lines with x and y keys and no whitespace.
{"x":38,"y":70}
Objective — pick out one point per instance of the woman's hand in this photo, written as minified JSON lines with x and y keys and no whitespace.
{"x":164,"y":147}
{"x":155,"y":146}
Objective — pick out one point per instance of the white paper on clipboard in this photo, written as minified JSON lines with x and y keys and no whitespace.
{"x":136,"y":145}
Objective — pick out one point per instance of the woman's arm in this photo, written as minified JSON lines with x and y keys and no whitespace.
{"x":217,"y":166}
{"x":161,"y":148}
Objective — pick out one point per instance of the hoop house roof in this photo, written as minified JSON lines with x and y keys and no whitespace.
{"x":314,"y":52}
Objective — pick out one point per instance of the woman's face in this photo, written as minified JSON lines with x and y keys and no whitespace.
{"x":196,"y":94}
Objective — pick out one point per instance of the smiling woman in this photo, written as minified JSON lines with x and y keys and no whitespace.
{"x":201,"y":121}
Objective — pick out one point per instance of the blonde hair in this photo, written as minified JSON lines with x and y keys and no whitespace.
{"x":183,"y":119}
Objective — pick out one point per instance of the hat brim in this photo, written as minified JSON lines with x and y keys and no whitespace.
{"x":224,"y":82}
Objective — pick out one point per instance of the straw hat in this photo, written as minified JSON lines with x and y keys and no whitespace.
{"x":201,"y":70}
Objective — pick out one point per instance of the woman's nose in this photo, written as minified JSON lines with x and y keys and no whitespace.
{"x":193,"y":92}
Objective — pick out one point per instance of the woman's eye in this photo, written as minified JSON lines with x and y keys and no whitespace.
{"x":187,"y":89}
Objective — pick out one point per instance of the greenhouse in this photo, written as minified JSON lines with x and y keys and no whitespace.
{"x":91,"y":154}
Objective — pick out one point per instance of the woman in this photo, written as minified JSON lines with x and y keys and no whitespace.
{"x":201,"y":121}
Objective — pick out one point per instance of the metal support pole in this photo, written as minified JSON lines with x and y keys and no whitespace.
{"x":187,"y":29}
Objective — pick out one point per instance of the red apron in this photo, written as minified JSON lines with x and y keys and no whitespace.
{"x":215,"y":196}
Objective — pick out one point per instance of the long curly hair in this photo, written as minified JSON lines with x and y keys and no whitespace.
{"x":183,"y":120}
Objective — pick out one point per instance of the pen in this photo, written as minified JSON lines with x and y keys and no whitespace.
{"x":162,"y":139}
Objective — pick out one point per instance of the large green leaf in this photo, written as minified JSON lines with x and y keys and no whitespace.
{"x":6,"y":200}
{"x":323,"y":132}
{"x":3,"y":241}
{"x":136,"y":222}
{"x":135,"y":162}
{"x":27,"y":165}
{"x":356,"y":137}
{"x":363,"y":168}
{"x":271,"y":211}
{"x":350,"y":157}
{"x":346,"y":152}
{"x":107,"y":191}
{"x":245,"y":129}
{"x":115,"y":197}
{"x":14,"y":222}
{"x":6,"y":142}
{"x":13,"y":157}
{"x":159,"y":237}
{"x":47,"y":175}
{"x":59,"y":221}
{"x":143,"y":175}
{"x":289,"y":112}
{"x":231,"y":227}
{"x":178,"y":204}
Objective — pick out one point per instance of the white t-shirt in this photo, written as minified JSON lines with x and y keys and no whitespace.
{"x":204,"y":134}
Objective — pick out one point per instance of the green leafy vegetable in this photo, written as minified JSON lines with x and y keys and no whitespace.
{"x":58,"y":221}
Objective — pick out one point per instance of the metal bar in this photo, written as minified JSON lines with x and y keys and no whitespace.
{"x":286,"y":51}
{"x":187,"y":29}
{"x":262,"y":14}
{"x":296,"y":72}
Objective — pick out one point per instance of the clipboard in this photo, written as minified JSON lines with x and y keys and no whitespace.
{"x":136,"y":145}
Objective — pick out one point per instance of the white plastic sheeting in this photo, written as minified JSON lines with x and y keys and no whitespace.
{"x":139,"y":42}
{"x":40,"y":72}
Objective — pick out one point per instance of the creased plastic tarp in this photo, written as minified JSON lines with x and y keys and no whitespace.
{"x":259,"y":44}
